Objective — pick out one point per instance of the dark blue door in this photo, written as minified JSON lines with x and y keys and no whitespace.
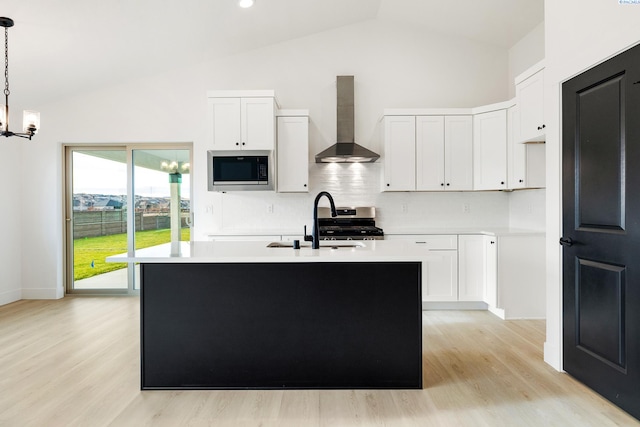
{"x":601,"y":228}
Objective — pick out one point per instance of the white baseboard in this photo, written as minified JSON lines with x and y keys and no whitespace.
{"x":8,"y":297}
{"x":41,"y":293}
{"x":553,"y":356}
{"x":498,"y":312}
{"x":454,"y":305}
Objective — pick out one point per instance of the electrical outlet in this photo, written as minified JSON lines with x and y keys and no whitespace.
{"x":466,"y":208}
{"x":405,"y":208}
{"x":208,"y":209}
{"x":270,"y":208}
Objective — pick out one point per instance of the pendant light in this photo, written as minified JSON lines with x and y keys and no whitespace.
{"x":30,"y":119}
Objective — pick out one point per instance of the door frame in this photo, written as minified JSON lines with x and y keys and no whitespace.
{"x":67,"y":208}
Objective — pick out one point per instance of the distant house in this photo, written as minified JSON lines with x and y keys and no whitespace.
{"x":104,"y":204}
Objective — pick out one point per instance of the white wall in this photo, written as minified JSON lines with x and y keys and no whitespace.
{"x":526,"y":208}
{"x":527,"y":52}
{"x":10,"y":220}
{"x":394,"y":66}
{"x":578,"y":34}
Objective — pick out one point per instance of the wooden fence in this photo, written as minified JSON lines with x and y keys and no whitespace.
{"x":105,"y":223}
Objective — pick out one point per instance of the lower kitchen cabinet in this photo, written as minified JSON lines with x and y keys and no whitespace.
{"x":471,"y":267}
{"x":507,"y":272}
{"x":439,"y":278}
{"x":490,"y":264}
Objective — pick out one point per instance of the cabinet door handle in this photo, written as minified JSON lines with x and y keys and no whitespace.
{"x":493,"y":243}
{"x":388,"y":185}
{"x":448,"y":184}
{"x":521,"y":180}
{"x":501,"y":182}
{"x":442,"y":184}
{"x":541,"y":127}
{"x":305,"y":185}
{"x":237,"y":143}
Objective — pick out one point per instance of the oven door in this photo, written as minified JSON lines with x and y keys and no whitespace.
{"x":240,"y":170}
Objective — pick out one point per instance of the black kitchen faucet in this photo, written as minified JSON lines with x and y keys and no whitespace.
{"x":315,"y":237}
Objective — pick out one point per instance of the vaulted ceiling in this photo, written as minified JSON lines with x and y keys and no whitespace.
{"x":63,"y":46}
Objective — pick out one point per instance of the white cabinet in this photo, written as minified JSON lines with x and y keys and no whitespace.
{"x":490,"y":150}
{"x":506,"y":272}
{"x":471,"y":267}
{"x":526,"y":162}
{"x":240,"y":123}
{"x":428,"y":153}
{"x":293,"y":154}
{"x":444,"y":153}
{"x":530,"y":100}
{"x":399,"y":153}
{"x":439,"y":278}
{"x":516,"y":152}
{"x":490,"y":264}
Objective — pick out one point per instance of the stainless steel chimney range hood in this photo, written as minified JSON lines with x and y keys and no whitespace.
{"x":346,"y":150}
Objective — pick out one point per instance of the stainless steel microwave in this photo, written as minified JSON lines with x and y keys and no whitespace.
{"x":242,"y":170}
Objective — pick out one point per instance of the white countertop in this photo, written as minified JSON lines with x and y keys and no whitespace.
{"x":257,"y":251}
{"x":486,"y":231}
{"x":497,"y":231}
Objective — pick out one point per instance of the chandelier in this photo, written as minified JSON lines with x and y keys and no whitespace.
{"x":30,"y":119}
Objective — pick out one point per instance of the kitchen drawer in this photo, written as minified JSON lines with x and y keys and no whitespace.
{"x":428,"y":241}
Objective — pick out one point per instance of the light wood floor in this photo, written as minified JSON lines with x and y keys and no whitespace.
{"x":75,"y":362}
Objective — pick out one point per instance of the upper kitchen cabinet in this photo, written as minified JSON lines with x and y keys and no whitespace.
{"x":490,"y":150}
{"x":444,"y":153}
{"x":241,"y":120}
{"x":530,"y":101}
{"x":399,"y":153}
{"x":428,"y":153}
{"x":293,"y":151}
{"x":516,"y":152}
{"x":526,"y":162}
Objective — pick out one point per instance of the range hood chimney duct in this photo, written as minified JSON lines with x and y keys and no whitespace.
{"x":346,"y":150}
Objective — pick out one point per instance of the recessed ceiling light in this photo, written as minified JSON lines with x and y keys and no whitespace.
{"x":246,"y":3}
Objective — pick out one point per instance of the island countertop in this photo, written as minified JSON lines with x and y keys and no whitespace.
{"x":257,"y":251}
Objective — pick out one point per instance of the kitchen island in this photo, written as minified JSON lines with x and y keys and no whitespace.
{"x":241,"y":315}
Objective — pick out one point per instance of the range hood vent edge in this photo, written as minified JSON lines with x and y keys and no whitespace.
{"x":345,"y":150}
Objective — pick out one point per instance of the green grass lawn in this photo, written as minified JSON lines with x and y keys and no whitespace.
{"x":89,"y":253}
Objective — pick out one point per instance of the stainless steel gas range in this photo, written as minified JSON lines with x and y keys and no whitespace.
{"x":351,"y":223}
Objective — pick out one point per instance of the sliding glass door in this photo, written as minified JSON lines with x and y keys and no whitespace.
{"x":119,"y":199}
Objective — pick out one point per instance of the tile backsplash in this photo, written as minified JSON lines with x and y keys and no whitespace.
{"x":359,"y":185}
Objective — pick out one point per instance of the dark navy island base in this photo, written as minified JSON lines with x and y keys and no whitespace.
{"x":324,"y":325}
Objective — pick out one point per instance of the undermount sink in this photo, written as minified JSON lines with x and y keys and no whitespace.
{"x":331,"y":244}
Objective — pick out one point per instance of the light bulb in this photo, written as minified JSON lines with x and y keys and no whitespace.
{"x":31,"y":121}
{"x":246,"y":3}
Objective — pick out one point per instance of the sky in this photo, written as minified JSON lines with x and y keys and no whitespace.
{"x":94,"y":175}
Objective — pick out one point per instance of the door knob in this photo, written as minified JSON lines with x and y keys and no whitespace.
{"x":566,"y":241}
